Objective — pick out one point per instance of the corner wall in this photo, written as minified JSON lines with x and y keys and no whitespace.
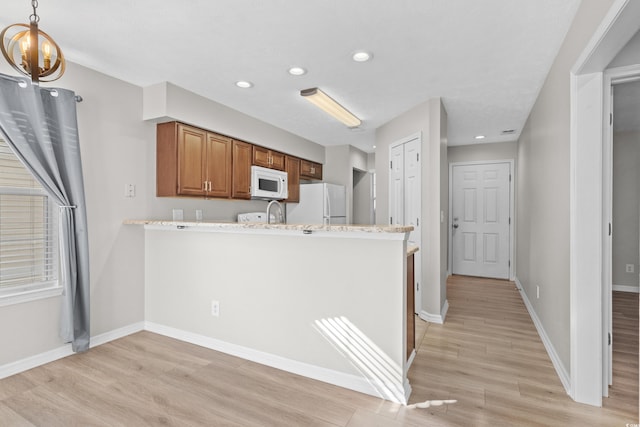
{"x":542,"y":206}
{"x":429,"y":119}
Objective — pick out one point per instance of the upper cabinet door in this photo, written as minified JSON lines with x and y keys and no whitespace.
{"x":242,"y":153}
{"x":292,"y":167}
{"x":192,"y":149}
{"x":310,"y":170}
{"x":268,"y":158}
{"x":218,"y":163}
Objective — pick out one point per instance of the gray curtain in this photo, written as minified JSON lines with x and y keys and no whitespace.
{"x":41,"y":126}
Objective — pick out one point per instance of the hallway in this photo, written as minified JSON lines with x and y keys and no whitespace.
{"x":488,"y":356}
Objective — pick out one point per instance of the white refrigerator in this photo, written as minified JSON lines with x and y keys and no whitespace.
{"x":320,"y":203}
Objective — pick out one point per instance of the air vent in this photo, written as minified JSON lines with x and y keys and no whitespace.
{"x":508,"y":132}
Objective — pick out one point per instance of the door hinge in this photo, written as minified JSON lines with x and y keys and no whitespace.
{"x":609,"y":334}
{"x":509,"y":263}
{"x":390,"y":220}
{"x":418,"y":157}
{"x":609,"y":229}
{"x":509,"y":220}
{"x":509,"y":177}
{"x":417,"y":222}
{"x":417,"y":286}
{"x":610,"y":119}
{"x":391,"y":164}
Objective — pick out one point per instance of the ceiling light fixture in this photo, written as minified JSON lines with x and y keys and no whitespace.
{"x":244,"y":84}
{"x":330,"y":106}
{"x":16,"y":43}
{"x":362,"y":56}
{"x":297,"y":71}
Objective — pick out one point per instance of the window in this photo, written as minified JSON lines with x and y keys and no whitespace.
{"x":28,"y":234}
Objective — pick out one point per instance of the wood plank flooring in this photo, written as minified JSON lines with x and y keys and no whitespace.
{"x":487,"y":357}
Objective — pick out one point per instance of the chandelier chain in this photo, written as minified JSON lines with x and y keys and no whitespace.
{"x":34,"y":16}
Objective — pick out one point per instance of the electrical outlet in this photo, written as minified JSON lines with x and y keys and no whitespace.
{"x":178,"y":214}
{"x":538,"y":292}
{"x":198,"y":215}
{"x":630,"y":268}
{"x":215,"y":308}
{"x":129,"y":190}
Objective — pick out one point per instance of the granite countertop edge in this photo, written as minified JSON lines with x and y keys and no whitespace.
{"x":264,"y":226}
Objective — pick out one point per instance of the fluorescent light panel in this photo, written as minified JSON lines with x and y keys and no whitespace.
{"x":330,"y":106}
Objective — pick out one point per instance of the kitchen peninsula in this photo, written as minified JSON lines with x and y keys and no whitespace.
{"x":326,"y":302}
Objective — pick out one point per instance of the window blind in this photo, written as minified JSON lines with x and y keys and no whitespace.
{"x":28,"y":228}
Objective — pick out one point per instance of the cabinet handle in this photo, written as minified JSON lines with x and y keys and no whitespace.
{"x":209,"y":185}
{"x":313,"y":170}
{"x":204,"y":186}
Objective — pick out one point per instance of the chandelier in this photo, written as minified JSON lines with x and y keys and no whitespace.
{"x":44,"y":62}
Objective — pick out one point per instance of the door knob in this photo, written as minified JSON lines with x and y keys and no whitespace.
{"x":455,"y":225}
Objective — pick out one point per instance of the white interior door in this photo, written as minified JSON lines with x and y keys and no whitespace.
{"x":405,"y":198}
{"x":396,"y":186}
{"x":481,"y":220}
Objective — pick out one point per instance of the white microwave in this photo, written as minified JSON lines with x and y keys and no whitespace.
{"x":268,"y":184}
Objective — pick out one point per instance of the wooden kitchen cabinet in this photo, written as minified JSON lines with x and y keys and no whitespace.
{"x":268,"y":158}
{"x":242,"y":153}
{"x":310,"y":170}
{"x":292,"y":167}
{"x":410,"y":308}
{"x":192,"y":162}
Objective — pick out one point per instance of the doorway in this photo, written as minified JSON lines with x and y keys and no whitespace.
{"x":589,"y":227}
{"x":621,"y":208}
{"x":363,"y":197}
{"x":405,"y":198}
{"x":481,"y":207}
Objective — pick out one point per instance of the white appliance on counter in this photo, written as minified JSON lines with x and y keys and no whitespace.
{"x":254,"y":217}
{"x":320,"y":203}
{"x":268,"y":184}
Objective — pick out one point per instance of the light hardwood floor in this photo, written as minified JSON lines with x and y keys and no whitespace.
{"x":487,"y":357}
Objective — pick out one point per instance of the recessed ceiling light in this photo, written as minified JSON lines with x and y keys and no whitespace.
{"x":244,"y":84}
{"x":297,"y":71}
{"x":480,"y":137}
{"x":362,"y":56}
{"x":374,"y":147}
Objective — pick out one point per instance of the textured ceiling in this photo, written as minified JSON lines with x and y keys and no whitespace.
{"x":487,"y":59}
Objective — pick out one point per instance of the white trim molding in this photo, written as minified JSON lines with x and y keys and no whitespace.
{"x":626,"y":288}
{"x":435,"y":318}
{"x":330,"y":376}
{"x":65,"y":350}
{"x":562,"y":372}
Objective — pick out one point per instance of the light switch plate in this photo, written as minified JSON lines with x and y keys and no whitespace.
{"x":178,"y":214}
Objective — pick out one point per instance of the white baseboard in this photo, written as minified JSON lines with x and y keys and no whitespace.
{"x":330,"y":376}
{"x":63,"y":351}
{"x":564,"y":376}
{"x":435,"y":318}
{"x":31,"y":362}
{"x":626,"y":288}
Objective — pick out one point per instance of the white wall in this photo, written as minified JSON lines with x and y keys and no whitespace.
{"x":629,"y":55}
{"x":626,"y":207}
{"x":338,"y":169}
{"x":113,"y":142}
{"x":118,"y":148}
{"x":272,"y":308}
{"x":429,"y":119}
{"x":542,"y":205}
{"x":481,"y":152}
{"x":165,"y":101}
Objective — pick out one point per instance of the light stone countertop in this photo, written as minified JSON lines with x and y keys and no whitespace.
{"x":230,"y":226}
